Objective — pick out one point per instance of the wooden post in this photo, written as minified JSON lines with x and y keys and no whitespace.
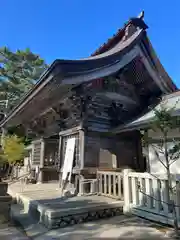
{"x":32,"y":156}
{"x":92,"y":187}
{"x":119,"y":186}
{"x":42,"y":153}
{"x":142,"y":192}
{"x":59,"y":160}
{"x":40,"y":178}
{"x":156,"y":189}
{"x":114,"y":185}
{"x":149,"y":193}
{"x":178,"y":199}
{"x":164,"y":196}
{"x":100,"y":183}
{"x":59,"y":151}
{"x":114,"y":161}
{"x":81,"y":147}
{"x":135,"y":191}
{"x":109,"y":183}
{"x":105,"y":183}
{"x":81,"y":185}
{"x":126,"y":207}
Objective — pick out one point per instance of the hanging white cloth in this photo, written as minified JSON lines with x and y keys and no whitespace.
{"x":68,"y":161}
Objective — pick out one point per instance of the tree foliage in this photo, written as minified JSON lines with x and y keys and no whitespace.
{"x":19,"y":71}
{"x":163,"y":124}
{"x":13,"y":149}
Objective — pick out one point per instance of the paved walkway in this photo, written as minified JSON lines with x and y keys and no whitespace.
{"x":17,"y":187}
{"x":9,"y":232}
{"x":120,"y":227}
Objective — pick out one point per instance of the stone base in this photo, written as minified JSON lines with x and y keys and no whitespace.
{"x":5,"y":205}
{"x":64,"y":211}
{"x":81,"y":217}
{"x":3,"y":188}
{"x":5,"y":202}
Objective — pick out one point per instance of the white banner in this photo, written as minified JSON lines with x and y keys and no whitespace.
{"x":69,"y":156}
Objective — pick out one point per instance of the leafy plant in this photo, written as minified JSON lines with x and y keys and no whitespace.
{"x":13,"y":149}
{"x":163,"y":123}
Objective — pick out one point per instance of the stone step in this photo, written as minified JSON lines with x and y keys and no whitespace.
{"x":120,"y":227}
{"x":44,"y":204}
{"x":29,"y":224}
{"x":63,"y":212}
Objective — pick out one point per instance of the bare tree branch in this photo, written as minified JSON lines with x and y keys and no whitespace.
{"x":157,"y":155}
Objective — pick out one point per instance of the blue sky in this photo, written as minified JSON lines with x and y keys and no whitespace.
{"x":75,"y":28}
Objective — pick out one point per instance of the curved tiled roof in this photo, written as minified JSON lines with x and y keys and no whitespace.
{"x":73,"y":67}
{"x":133,"y":33}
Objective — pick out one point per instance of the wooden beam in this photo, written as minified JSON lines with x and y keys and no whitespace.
{"x":119,"y":97}
{"x":157,"y":79}
{"x":70,"y":131}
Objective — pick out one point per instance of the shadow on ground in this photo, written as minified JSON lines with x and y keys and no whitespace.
{"x":115,"y":228}
{"x":120,"y":227}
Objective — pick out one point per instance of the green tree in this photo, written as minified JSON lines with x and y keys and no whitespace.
{"x":13,"y":149}
{"x":19,"y":71}
{"x":162,"y":124}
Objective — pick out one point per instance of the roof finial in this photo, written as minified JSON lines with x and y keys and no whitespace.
{"x":141,"y":15}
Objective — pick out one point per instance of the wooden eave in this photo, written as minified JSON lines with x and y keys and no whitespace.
{"x":62,"y":70}
{"x":144,"y":121}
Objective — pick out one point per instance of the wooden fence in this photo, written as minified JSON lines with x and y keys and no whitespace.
{"x":110,"y":184}
{"x":147,"y":196}
{"x":18,"y":171}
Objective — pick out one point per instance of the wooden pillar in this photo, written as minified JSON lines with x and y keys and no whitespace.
{"x":147,"y":150}
{"x":42,"y":153}
{"x":126,"y":191}
{"x":81,"y":147}
{"x":59,"y":159}
{"x":81,"y":151}
{"x":81,"y":185}
{"x":40,"y":178}
{"x":114,"y":161}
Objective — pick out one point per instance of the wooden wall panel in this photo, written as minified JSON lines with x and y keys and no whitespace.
{"x":36,"y":153}
{"x":105,"y":152}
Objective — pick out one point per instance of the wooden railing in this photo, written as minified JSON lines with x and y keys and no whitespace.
{"x":18,"y":171}
{"x":147,"y":196}
{"x":110,"y":184}
{"x":88,"y":186}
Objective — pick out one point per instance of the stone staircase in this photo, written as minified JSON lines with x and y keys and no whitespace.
{"x":52,"y":211}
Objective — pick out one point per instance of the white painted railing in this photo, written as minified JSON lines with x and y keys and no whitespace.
{"x":110,"y":184}
{"x":147,"y":196}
